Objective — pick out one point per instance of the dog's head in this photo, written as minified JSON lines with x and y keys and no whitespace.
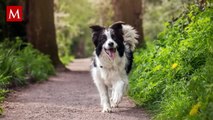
{"x":109,"y":40}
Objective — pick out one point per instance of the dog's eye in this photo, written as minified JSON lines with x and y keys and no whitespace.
{"x":113,"y":36}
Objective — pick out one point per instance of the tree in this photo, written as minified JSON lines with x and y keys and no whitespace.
{"x":130,"y":12}
{"x":41,"y":30}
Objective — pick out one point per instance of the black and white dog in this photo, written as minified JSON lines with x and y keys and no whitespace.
{"x":112,"y":61}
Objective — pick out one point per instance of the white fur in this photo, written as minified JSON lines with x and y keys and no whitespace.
{"x":130,"y":36}
{"x":111,"y":74}
{"x":109,"y":39}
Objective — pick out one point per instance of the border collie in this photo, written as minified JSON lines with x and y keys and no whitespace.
{"x":113,"y":57}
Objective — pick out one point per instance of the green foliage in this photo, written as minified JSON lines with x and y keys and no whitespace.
{"x":173,"y":76}
{"x":73,"y":18}
{"x":157,"y":12}
{"x":36,"y":65}
{"x":66,"y":59}
{"x":21,"y":64}
{"x":2,"y":94}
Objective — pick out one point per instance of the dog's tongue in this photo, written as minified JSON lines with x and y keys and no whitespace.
{"x":111,"y":53}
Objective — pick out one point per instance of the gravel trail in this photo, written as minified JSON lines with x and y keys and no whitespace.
{"x":66,"y":96}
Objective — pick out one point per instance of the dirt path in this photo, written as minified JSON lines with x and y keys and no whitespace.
{"x":67,"y":96}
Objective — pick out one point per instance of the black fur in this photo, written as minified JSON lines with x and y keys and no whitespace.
{"x":129,"y":54}
{"x":94,"y":62}
{"x":99,"y":38}
{"x":117,"y":36}
{"x":128,"y":66}
{"x":96,"y":34}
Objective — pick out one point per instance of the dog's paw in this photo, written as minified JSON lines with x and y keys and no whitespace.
{"x":115,"y":101}
{"x":114,"y":105}
{"x":107,"y":110}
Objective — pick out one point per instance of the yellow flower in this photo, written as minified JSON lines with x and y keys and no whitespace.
{"x":174,"y":65}
{"x":194,"y":109}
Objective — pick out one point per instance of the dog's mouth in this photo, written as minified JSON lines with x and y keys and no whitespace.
{"x":110,"y":52}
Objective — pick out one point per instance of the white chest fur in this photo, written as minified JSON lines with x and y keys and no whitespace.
{"x":111,"y":70}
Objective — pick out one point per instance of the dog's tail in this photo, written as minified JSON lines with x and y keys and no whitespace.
{"x":130,"y":36}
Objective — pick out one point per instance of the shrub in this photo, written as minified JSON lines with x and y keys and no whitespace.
{"x":36,"y":65}
{"x":173,"y":76}
{"x":20,"y":64}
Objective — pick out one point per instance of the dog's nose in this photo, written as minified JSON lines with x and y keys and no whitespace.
{"x":111,"y":44}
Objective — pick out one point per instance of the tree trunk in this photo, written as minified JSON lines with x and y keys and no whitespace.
{"x":41,"y":29}
{"x":130,"y":12}
{"x":202,"y":4}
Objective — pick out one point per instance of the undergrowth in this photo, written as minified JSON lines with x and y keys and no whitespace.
{"x":172,"y":77}
{"x":21,"y":64}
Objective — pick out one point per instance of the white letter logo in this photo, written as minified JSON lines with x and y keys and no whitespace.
{"x":14,"y":15}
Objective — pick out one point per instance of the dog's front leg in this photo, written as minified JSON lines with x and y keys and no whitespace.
{"x":117,"y":93}
{"x":103,"y":92}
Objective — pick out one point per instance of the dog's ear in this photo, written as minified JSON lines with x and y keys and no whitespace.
{"x":117,"y":25}
{"x":96,"y":28}
{"x":96,"y":31}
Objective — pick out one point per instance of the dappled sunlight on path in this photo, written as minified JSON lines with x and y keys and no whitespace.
{"x":80,"y":64}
